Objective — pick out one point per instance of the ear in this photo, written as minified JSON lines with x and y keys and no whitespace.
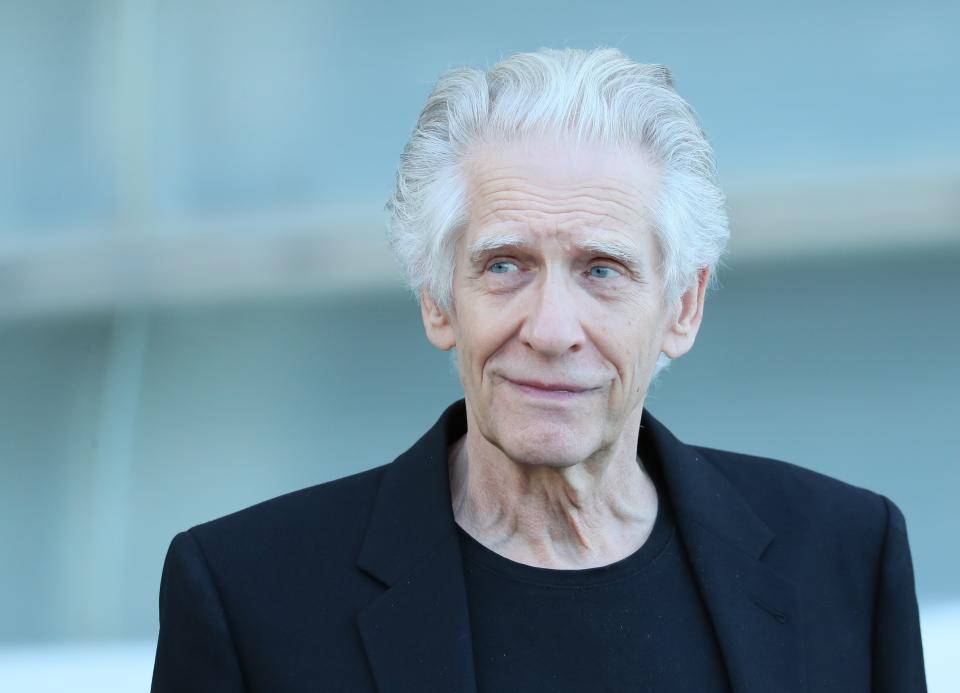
{"x":682,"y":331}
{"x":436,"y":323}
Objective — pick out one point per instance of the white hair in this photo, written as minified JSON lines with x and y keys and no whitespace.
{"x":598,"y":97}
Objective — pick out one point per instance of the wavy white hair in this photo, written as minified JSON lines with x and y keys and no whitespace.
{"x":599,"y":97}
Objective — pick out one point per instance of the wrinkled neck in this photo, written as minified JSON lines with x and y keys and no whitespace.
{"x":588,"y":514}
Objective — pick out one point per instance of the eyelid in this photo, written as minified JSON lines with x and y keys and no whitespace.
{"x":498,"y":255}
{"x":613,"y":264}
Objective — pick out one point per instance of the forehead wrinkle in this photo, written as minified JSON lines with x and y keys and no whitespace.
{"x":485,"y":174}
{"x":541,"y":216}
{"x":598,"y":189}
{"x":580,"y":203}
{"x":577,"y":200}
{"x":569,"y":221}
{"x":513,"y":174}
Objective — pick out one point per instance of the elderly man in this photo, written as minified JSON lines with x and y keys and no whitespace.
{"x":559,"y":220}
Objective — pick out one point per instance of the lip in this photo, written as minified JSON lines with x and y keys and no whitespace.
{"x":549,"y":390}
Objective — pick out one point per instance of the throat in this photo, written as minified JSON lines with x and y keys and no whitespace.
{"x":549,"y":517}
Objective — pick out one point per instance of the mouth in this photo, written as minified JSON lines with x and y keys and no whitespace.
{"x":554,"y":391}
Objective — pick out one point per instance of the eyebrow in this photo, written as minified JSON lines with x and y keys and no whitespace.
{"x":624,"y":253}
{"x":484,"y":246}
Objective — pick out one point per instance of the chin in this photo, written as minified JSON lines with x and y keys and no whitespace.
{"x":547,"y":444}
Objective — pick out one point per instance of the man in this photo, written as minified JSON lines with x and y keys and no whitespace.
{"x":559,"y":220}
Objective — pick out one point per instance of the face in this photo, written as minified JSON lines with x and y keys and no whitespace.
{"x":559,"y":312}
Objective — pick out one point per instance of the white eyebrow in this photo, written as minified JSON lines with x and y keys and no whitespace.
{"x":622,"y":252}
{"x":482,"y":246}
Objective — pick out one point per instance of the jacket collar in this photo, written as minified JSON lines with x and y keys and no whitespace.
{"x":755,"y":612}
{"x":417,"y":633}
{"x":413,"y":511}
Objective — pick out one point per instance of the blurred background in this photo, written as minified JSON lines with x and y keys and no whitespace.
{"x":198,"y":310}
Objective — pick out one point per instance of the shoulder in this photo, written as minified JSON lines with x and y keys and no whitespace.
{"x":327,"y":519}
{"x":800,"y":503}
{"x":754,"y":474}
{"x":266,"y":588}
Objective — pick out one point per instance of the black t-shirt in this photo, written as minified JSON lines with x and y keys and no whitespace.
{"x":637,"y":625}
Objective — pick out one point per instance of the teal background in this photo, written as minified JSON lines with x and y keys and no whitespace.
{"x":197,"y":312}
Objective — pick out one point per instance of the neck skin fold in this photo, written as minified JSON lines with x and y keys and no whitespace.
{"x":590,"y":514}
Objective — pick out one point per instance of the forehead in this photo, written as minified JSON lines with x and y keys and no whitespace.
{"x":546,"y":188}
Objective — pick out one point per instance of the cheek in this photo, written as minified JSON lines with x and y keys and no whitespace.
{"x":631,"y":344}
{"x":480,"y":336}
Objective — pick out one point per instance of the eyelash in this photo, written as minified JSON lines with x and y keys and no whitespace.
{"x":597,"y":262}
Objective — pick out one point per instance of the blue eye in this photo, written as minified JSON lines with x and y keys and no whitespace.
{"x":601,"y":272}
{"x":503,"y":267}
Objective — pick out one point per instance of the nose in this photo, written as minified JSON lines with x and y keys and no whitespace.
{"x":552,"y":325}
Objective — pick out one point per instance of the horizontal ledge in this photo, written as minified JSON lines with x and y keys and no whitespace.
{"x":96,"y":272}
{"x":322,"y":255}
{"x":863,"y":211}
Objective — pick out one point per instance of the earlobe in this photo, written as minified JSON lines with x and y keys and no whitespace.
{"x":436,"y":322}
{"x":683,"y":330}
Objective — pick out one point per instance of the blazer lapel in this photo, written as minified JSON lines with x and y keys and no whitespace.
{"x":756,"y":613}
{"x":417,"y":633}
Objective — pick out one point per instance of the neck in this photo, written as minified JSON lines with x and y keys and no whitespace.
{"x":585,"y":515}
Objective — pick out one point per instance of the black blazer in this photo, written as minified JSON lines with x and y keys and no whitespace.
{"x":356,"y":584}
